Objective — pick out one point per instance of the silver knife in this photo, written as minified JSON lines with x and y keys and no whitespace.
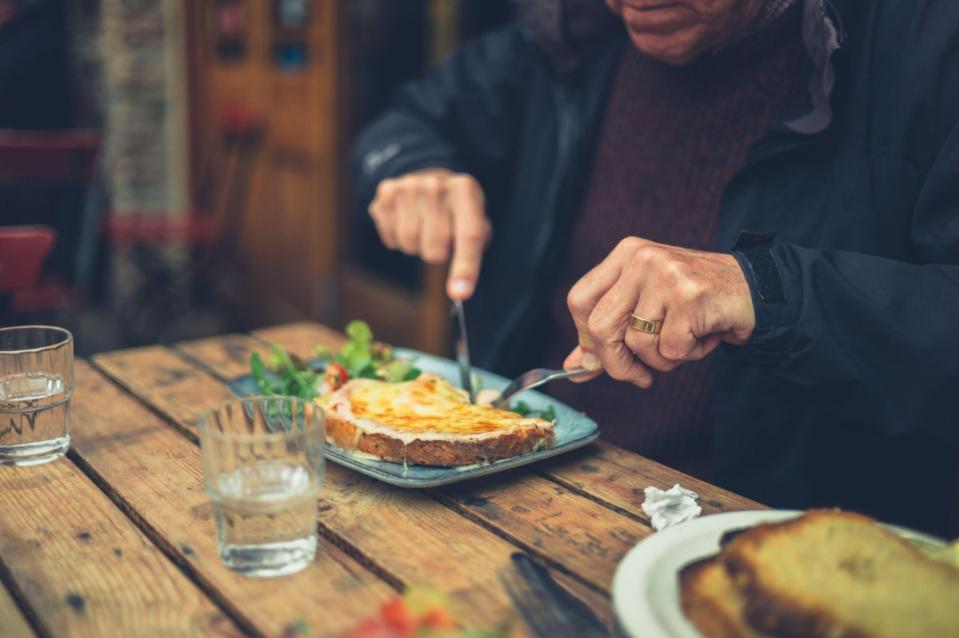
{"x":463,"y":351}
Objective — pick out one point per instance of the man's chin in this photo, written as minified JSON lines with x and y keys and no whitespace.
{"x":668,"y":49}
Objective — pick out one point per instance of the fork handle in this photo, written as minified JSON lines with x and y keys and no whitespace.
{"x":554,"y":375}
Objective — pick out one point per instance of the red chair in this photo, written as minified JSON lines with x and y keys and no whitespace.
{"x":49,"y":163}
{"x":23,"y":250}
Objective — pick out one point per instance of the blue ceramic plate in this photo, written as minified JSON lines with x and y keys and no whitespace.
{"x":573,"y":430}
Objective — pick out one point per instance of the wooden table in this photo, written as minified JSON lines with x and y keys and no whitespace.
{"x":118,"y":538}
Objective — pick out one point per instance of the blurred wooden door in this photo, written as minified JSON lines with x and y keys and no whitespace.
{"x":275,"y":63}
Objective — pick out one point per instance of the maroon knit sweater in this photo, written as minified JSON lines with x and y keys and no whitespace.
{"x":671,"y":139}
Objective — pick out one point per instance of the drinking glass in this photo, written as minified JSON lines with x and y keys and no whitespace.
{"x":263,"y":467}
{"x":36,"y":382}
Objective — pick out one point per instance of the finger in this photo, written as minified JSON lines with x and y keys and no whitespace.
{"x":471,"y":232}
{"x":607,"y":326}
{"x":646,"y":346}
{"x":382,"y":211}
{"x":587,"y":292}
{"x":408,"y":221}
{"x":576,"y":359}
{"x":436,"y":232}
{"x":678,"y":340}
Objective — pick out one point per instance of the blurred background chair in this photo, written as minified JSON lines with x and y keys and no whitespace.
{"x":46,"y":175}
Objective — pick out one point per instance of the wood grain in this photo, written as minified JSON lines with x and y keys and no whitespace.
{"x":158,"y":474}
{"x":302,"y":337}
{"x":407,"y":535}
{"x":618,"y":477}
{"x":576,"y":533}
{"x":228,"y":356}
{"x":85,"y":569}
{"x":13,"y":624}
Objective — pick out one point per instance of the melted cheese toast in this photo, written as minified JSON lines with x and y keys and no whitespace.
{"x":427,"y":421}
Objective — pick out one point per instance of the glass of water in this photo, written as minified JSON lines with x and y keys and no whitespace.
{"x":36,"y":382}
{"x":263,"y":467}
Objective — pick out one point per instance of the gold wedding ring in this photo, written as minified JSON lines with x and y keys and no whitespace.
{"x":648,"y":326}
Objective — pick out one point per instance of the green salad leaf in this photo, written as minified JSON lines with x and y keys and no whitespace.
{"x":525,"y":409}
{"x":287,"y":377}
{"x":360,"y":356}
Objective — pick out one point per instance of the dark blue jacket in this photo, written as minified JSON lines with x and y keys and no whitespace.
{"x":845,"y":218}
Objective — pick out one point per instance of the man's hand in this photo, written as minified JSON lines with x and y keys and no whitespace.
{"x":702,"y":299}
{"x":433,"y":213}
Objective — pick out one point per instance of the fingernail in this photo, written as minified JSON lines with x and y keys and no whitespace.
{"x":461,"y":286}
{"x":591,"y":362}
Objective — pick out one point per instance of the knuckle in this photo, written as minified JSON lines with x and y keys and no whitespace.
{"x":597,"y":326}
{"x":674,"y":270}
{"x":475,"y":233}
{"x":386,"y":188}
{"x":629,"y":243}
{"x":431,"y":185}
{"x":576,"y":298}
{"x":673,"y":346}
{"x":464,"y":183}
{"x":647,"y":254}
{"x":690,"y":289}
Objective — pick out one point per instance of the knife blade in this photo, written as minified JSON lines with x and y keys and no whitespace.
{"x":463,"y":351}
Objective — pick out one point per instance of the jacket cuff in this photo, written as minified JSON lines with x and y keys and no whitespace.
{"x":775,"y":300}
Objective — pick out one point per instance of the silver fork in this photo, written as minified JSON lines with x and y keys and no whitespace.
{"x":533,"y":379}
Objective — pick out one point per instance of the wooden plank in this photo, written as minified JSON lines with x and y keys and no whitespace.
{"x":85,"y":569}
{"x":619,"y":477}
{"x":547,"y":518}
{"x":13,"y":624}
{"x":302,"y":337}
{"x":158,"y":474}
{"x":408,"y":535}
{"x":228,"y":356}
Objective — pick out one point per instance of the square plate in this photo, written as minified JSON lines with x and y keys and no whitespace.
{"x":573,"y":430}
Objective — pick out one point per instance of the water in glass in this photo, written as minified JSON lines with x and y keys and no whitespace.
{"x":266,"y":518}
{"x":263,"y":466}
{"x":36,"y":382}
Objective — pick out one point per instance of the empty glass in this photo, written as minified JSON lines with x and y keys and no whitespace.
{"x":36,"y":382}
{"x":263,"y":467}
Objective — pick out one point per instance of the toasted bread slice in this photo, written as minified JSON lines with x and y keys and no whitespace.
{"x":832,"y":573}
{"x":427,"y":422}
{"x":711,"y":601}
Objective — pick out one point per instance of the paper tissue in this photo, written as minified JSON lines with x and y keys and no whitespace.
{"x":670,"y":507}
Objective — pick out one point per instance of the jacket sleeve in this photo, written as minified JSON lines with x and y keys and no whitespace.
{"x":882,"y":335}
{"x":464,"y":116}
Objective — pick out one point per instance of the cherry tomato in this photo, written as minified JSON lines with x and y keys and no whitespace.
{"x":438,"y":618}
{"x":397,"y":615}
{"x":372,"y":628}
{"x":336,"y":375}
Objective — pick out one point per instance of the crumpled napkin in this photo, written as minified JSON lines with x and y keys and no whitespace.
{"x":670,"y":507}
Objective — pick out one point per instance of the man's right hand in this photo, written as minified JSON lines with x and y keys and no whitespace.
{"x":434,"y":213}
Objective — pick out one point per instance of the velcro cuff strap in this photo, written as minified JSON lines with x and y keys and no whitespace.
{"x":763,"y":272}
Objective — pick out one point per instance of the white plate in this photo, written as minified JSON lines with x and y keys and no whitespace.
{"x":646,"y":584}
{"x":646,"y":587}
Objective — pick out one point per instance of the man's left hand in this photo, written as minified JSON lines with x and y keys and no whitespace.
{"x":702,"y":299}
